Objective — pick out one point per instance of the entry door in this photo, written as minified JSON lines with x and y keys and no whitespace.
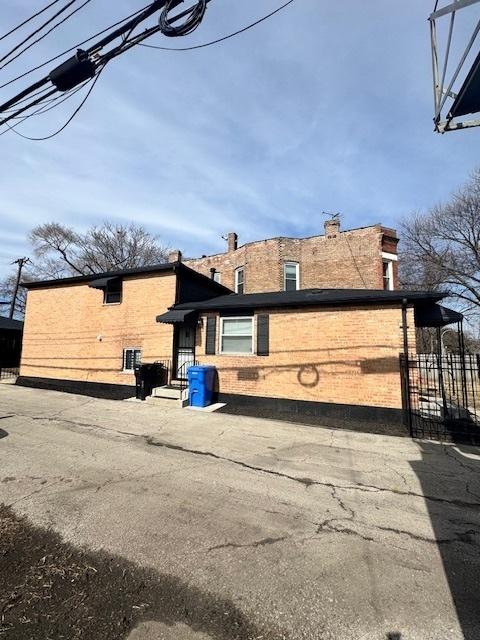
{"x":185,"y":350}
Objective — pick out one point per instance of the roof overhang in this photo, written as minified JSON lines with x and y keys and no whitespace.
{"x":102,"y":283}
{"x":436,"y":315}
{"x":178,"y":316}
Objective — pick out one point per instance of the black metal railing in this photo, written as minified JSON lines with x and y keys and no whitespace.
{"x":182,"y":373}
{"x":442,"y":395}
{"x":164,"y":372}
{"x":9,"y":373}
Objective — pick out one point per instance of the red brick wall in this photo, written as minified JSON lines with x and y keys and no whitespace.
{"x":349,"y":259}
{"x":70,"y":334}
{"x":334,"y":355}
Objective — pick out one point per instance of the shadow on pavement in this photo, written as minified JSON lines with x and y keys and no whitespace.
{"x":452,"y":482}
{"x":51,"y":589}
{"x":3,"y":434}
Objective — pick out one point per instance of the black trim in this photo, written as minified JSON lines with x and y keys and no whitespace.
{"x":91,"y":389}
{"x":312,"y":298}
{"x":174,"y":267}
{"x":320,"y":414}
{"x":263,"y":334}
{"x":211,"y":336}
{"x":175,"y":316}
{"x":8,"y":324}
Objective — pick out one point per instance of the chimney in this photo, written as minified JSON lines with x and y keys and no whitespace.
{"x":332,"y":227}
{"x":175,"y":256}
{"x":232,"y":241}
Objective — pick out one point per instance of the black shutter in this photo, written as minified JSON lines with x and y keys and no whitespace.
{"x":263,"y":335}
{"x":211,"y":336}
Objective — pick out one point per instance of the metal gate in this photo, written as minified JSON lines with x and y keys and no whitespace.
{"x":441,"y":396}
{"x":184,"y":350}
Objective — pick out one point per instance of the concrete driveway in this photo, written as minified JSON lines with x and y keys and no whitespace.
{"x":311,"y":533}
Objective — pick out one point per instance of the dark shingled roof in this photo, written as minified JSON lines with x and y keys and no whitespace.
{"x":154,"y":268}
{"x":311,"y":298}
{"x":11,"y":325}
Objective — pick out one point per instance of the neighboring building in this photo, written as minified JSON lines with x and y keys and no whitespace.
{"x":10,"y":342}
{"x":363,"y":258}
{"x":331,"y":353}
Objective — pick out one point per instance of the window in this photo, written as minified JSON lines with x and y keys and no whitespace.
{"x":239,"y":280}
{"x":388,"y":275}
{"x":217,"y":277}
{"x":112,"y":294}
{"x":291,"y":279}
{"x":236,"y":335}
{"x":131,"y":357}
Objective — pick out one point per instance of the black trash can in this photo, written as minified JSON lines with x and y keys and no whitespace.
{"x":148,"y":376}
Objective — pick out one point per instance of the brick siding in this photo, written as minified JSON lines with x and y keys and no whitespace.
{"x":344,"y":356}
{"x":343,"y":260}
{"x":70,"y":334}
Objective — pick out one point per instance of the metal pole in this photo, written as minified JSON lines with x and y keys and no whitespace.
{"x":406,"y":365}
{"x":21,"y":262}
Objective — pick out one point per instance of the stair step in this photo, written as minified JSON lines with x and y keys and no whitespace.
{"x":170,"y":393}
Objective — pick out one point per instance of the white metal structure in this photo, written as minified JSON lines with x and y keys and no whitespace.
{"x":456,"y":94}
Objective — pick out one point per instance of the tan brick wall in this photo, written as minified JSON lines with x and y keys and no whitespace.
{"x":345,"y":356}
{"x":350,"y":259}
{"x":63,"y":325}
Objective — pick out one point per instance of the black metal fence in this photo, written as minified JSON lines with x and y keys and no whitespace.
{"x":442,"y":395}
{"x":9,"y":373}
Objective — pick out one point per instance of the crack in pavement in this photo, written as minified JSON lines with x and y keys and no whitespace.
{"x":309,"y":482}
{"x":253,"y":545}
{"x":448,"y":452}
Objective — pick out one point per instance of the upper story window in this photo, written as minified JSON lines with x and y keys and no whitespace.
{"x":388,"y":275}
{"x":217,"y":277}
{"x":236,"y":335}
{"x":240,"y":280}
{"x":291,"y":276}
{"x":112,"y":294}
{"x":387,"y":264}
{"x":131,"y":358}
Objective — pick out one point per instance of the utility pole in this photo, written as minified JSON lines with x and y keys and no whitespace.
{"x":21,"y":262}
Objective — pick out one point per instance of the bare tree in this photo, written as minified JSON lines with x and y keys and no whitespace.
{"x":7,"y":289}
{"x":62,"y":251}
{"x":441,"y":248}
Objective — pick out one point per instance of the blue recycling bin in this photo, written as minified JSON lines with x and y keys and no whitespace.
{"x":201,"y":384}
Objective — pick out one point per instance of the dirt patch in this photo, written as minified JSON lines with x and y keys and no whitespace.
{"x":50,"y":590}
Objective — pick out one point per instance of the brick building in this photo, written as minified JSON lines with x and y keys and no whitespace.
{"x":363,"y":258}
{"x":333,"y":353}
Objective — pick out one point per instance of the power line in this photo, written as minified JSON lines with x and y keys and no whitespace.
{"x":55,"y":26}
{"x":79,"y":44}
{"x":22,"y":24}
{"x":231,"y":35}
{"x":90,"y":64}
{"x":52,"y":135}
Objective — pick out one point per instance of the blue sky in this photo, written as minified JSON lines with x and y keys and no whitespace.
{"x":325,"y":107}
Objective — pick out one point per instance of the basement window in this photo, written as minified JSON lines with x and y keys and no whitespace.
{"x":236,"y":336}
{"x":131,"y":358}
{"x":240,"y":280}
{"x":291,"y":277}
{"x":112,"y":294}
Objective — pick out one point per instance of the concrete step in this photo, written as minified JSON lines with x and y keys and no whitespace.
{"x":170,"y":393}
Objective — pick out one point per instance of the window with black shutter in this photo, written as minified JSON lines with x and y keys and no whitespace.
{"x":263,"y":335}
{"x":211,"y":336}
